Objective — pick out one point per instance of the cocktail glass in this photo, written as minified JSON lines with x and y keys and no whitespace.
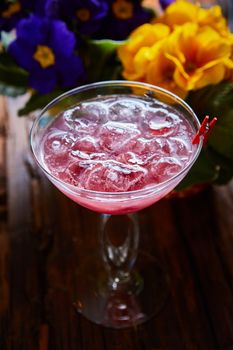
{"x":121,"y":287}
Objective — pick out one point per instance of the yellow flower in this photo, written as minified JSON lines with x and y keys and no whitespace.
{"x":191,"y":49}
{"x":160,"y":70}
{"x":135,"y":54}
{"x":178,"y":13}
{"x":214,"y":18}
{"x":182,"y":11}
{"x":200,"y":55}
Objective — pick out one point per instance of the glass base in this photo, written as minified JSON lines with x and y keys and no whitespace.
{"x":127,"y":304}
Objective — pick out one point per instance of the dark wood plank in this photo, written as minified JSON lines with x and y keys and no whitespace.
{"x":222,"y":199}
{"x":203,"y":236}
{"x":189,"y":318}
{"x":4,"y":239}
{"x":24,"y":289}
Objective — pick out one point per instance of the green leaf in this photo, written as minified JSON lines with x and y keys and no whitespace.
{"x":101,"y":60}
{"x":11,"y":74}
{"x":38,"y":101}
{"x":216,"y":100}
{"x":221,"y":139}
{"x":204,"y":170}
{"x":211,"y":100}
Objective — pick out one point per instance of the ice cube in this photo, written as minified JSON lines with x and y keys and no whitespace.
{"x":181,"y":147}
{"x":163,"y":168}
{"x":93,"y":177}
{"x":94,"y":111}
{"x":58,"y":142}
{"x":117,"y":136}
{"x":127,"y":110}
{"x":86,"y":114}
{"x":160,"y":122}
{"x":77,"y":120}
{"x":73,"y":173}
{"x":130,"y":158}
{"x":56,"y":163}
{"x":119,"y":182}
{"x":147,"y":147}
{"x":110,"y":175}
{"x":88,"y":144}
{"x":57,"y":146}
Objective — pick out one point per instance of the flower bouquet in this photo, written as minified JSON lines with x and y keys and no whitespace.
{"x":49,"y":46}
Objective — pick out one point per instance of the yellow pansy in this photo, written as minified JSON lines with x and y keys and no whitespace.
{"x":200,"y":55}
{"x":135,"y":54}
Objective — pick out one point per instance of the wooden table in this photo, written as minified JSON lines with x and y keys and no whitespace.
{"x":43,"y":236}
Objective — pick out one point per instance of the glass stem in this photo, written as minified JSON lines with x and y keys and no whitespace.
{"x":120,"y":238}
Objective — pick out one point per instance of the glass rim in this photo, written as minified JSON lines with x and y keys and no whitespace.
{"x":115,"y":83}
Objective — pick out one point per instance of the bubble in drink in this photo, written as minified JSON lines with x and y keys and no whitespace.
{"x":117,"y":144}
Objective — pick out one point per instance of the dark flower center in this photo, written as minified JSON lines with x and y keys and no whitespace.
{"x":44,"y":55}
{"x":190,"y":67}
{"x":83,"y":14}
{"x":122,"y":9}
{"x":11,"y":10}
{"x":168,"y":75}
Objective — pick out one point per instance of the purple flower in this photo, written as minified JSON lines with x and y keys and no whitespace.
{"x":165,"y":3}
{"x":86,"y":15}
{"x":124,"y":16}
{"x":12,"y":12}
{"x":52,"y":8}
{"x":45,"y":48}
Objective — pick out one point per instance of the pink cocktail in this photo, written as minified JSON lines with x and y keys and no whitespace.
{"x":115,"y":148}
{"x":118,"y":144}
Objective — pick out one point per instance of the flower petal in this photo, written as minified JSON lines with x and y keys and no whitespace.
{"x":147,"y":35}
{"x":43,"y":80}
{"x":213,"y":75}
{"x":32,"y":30}
{"x":23,"y":54}
{"x":60,"y":39}
{"x":178,"y":13}
{"x":71,"y":71}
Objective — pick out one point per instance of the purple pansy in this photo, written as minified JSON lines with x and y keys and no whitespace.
{"x":165,"y":3}
{"x":124,"y":16}
{"x":45,"y":48}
